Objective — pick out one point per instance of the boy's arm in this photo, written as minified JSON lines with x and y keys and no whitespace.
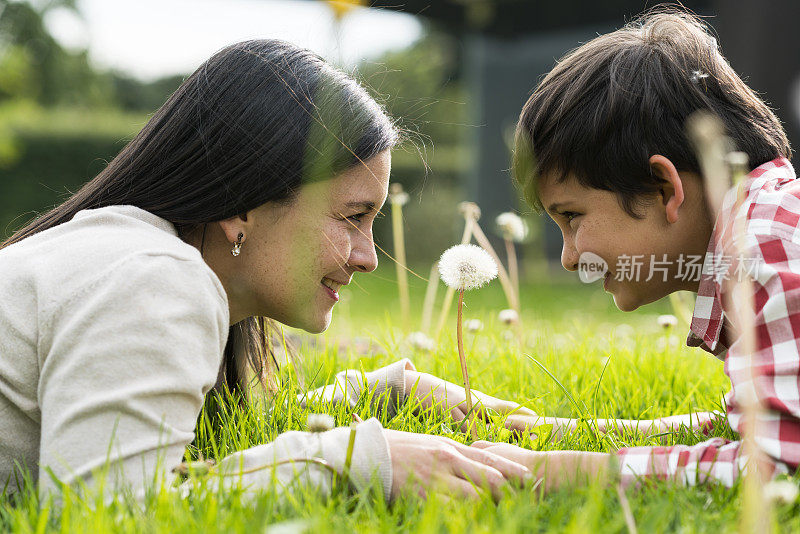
{"x":776,"y":366}
{"x":702,"y":421}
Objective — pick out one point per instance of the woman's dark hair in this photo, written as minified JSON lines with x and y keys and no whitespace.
{"x":610,"y":104}
{"x":252,"y":125}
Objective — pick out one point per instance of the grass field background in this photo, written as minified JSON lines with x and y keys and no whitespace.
{"x":574,"y":330}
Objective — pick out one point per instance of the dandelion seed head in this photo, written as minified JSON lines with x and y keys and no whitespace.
{"x":473,"y":325}
{"x":508,"y":316}
{"x":464,"y":267}
{"x":397,"y":197}
{"x":420,"y":341}
{"x":512,"y":226}
{"x":781,"y":490}
{"x":698,"y":75}
{"x":667,"y":321}
{"x":469,"y":210}
{"x":319,"y":422}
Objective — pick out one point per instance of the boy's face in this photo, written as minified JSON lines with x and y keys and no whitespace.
{"x":593,"y":221}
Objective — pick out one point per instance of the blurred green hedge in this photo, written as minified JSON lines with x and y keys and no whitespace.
{"x":47,"y":154}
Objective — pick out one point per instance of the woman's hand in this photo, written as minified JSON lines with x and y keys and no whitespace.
{"x":422,"y":463}
{"x":432,"y":390}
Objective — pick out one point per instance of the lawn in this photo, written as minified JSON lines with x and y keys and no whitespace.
{"x":611,"y":364}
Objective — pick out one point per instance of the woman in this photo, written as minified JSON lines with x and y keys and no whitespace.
{"x":250,"y":194}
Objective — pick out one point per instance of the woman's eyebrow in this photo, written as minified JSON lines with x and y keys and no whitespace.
{"x":366,"y":205}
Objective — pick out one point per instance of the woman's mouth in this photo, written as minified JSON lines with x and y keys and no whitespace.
{"x":332,"y":288}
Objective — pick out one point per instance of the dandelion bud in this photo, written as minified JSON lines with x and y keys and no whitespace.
{"x":474,"y":325}
{"x":667,"y":321}
{"x":319,"y":422}
{"x":464,"y":267}
{"x":511,"y":226}
{"x":508,"y":317}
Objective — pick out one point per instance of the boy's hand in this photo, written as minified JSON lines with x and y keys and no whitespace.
{"x":431,"y":390}
{"x":530,"y":459}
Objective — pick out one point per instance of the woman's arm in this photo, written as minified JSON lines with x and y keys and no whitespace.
{"x":126,"y":364}
{"x":401,"y":380}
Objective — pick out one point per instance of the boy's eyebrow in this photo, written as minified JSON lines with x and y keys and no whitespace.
{"x":554,"y":207}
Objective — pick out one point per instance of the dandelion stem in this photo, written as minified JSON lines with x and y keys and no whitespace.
{"x":400,"y":261}
{"x":713,"y":148}
{"x":461,"y":356}
{"x":430,"y":298}
{"x":505,"y":281}
{"x":513,"y":269}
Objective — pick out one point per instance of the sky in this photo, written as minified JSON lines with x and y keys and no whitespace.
{"x":153,"y":38}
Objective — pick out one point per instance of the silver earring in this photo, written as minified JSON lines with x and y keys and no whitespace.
{"x":237,"y":245}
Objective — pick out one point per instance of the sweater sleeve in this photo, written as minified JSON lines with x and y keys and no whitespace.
{"x":282,"y":462}
{"x":124,"y":366}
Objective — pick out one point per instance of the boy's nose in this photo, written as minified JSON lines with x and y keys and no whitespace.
{"x":569,"y":258}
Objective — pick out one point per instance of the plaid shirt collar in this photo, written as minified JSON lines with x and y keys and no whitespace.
{"x":706,"y":330}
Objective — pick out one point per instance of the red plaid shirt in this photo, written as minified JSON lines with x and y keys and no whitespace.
{"x":772,"y":245}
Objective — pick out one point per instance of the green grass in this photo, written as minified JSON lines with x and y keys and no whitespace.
{"x":572,"y":330}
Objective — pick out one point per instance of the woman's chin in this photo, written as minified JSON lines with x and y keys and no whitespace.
{"x":317,"y":325}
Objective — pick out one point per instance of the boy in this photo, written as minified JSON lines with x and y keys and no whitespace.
{"x":602,"y":148}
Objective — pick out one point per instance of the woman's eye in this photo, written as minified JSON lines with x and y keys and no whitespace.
{"x":569,"y":215}
{"x":357,"y":217}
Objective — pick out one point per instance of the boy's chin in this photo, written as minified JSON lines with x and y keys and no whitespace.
{"x":629,"y":301}
{"x":625,"y":303}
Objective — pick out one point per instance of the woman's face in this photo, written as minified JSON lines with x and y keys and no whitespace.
{"x":297,"y":255}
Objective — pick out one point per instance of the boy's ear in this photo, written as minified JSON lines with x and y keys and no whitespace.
{"x":672,"y":188}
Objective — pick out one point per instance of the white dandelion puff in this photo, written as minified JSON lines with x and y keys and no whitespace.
{"x":464,"y":267}
{"x":508,"y":316}
{"x":512,"y":226}
{"x":319,"y":422}
{"x":397,"y":196}
{"x":667,"y":321}
{"x":420,"y":341}
{"x":469,"y":210}
{"x":781,"y":490}
{"x":474,"y":325}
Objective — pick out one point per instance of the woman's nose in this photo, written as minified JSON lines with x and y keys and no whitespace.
{"x":363,"y":256}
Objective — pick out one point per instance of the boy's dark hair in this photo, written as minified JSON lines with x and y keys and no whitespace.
{"x":610,"y":104}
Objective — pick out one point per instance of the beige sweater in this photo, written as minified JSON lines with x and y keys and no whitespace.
{"x":111,"y":332}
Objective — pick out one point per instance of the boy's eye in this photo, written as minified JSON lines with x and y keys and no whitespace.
{"x":569,"y":215}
